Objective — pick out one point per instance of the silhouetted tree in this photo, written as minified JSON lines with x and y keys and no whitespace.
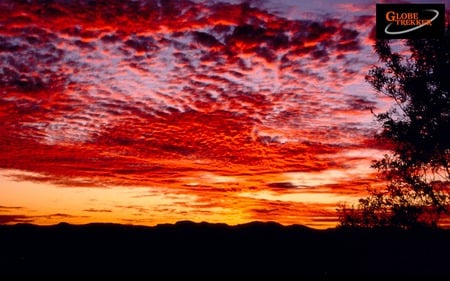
{"x":417,"y":171}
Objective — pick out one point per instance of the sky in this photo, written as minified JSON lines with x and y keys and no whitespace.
{"x":149,"y":112}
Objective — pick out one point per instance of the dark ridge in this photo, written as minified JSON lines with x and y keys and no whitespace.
{"x":189,"y":249}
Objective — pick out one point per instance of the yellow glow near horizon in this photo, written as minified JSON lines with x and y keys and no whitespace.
{"x":44,"y":203}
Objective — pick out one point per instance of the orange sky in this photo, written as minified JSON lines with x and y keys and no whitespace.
{"x":145,"y":112}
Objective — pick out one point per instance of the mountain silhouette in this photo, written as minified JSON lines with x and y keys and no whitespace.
{"x":189,"y":249}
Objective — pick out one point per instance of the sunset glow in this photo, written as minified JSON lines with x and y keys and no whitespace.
{"x":149,"y":112}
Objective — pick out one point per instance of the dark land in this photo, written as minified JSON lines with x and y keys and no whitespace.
{"x":188,"y":249}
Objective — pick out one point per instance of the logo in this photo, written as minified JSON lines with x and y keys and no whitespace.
{"x":410,"y":21}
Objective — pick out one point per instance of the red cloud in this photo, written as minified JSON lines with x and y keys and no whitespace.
{"x":133,"y":93}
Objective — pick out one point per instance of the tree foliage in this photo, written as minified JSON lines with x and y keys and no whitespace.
{"x":418,"y":127}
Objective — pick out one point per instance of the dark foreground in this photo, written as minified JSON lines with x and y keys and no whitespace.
{"x":215,"y":250}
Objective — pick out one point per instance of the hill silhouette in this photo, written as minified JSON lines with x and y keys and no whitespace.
{"x":217,"y":250}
